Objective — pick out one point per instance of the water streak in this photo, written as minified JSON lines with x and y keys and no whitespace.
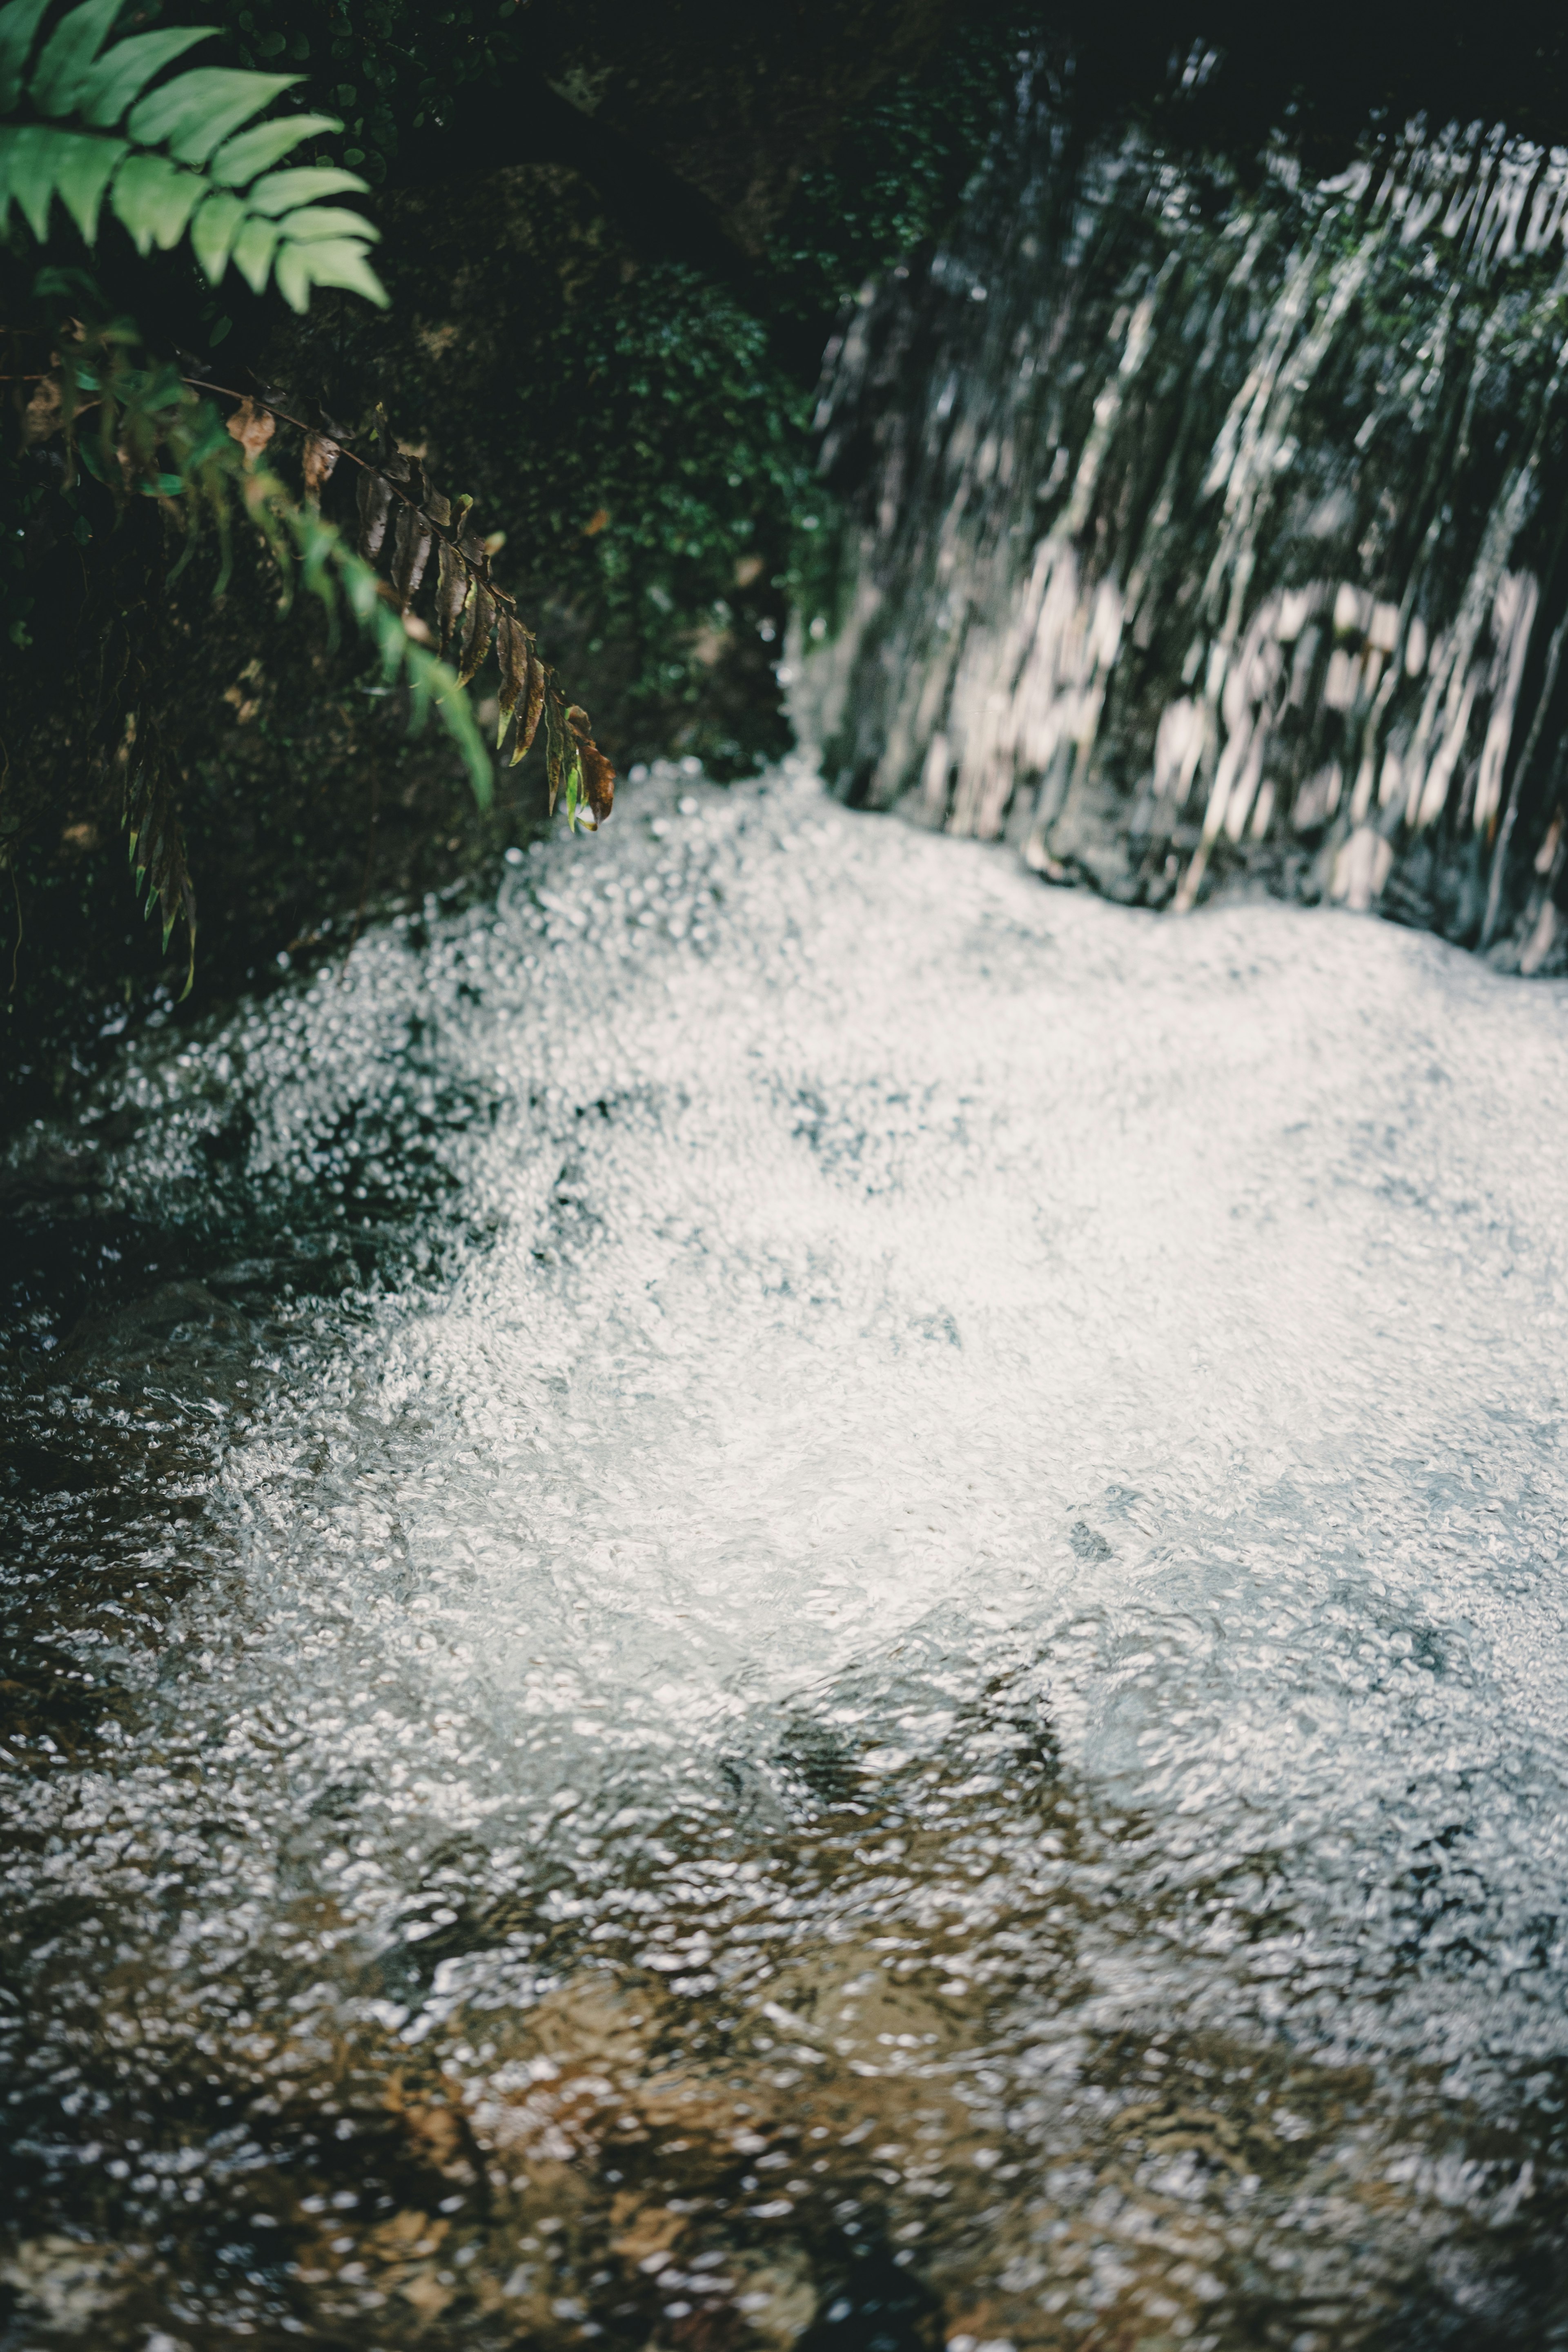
{"x":1210,"y":528}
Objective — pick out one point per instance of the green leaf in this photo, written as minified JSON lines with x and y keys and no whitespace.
{"x":294,"y":279}
{"x":456,"y":713}
{"x":18,"y":23}
{"x":335,"y":262}
{"x":123,"y":72}
{"x":154,"y":199}
{"x":197,"y":111}
{"x":340,"y":262}
{"x":87,"y":165}
{"x":253,"y":250}
{"x":68,"y":54}
{"x":30,"y":165}
{"x":319,"y":221}
{"x":282,"y":190}
{"x":238,"y":160}
{"x":212,"y":232}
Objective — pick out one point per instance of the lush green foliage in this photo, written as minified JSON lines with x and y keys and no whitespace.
{"x":645,"y":439}
{"x":140,"y":427}
{"x":386,"y":63}
{"x":671,"y":493}
{"x":640,"y":433}
{"x":142,"y":430}
{"x":84,"y":126}
{"x":648,"y":395}
{"x":895,"y":180}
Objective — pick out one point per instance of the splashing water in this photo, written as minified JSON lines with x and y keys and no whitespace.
{"x":892,"y":1675}
{"x":1209,"y":527}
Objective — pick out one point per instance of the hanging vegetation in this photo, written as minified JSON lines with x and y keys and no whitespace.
{"x":599,"y":323}
{"x":84,"y":126}
{"x":172,"y":159}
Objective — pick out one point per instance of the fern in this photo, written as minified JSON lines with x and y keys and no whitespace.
{"x":405,"y":519}
{"x":96,"y":128}
{"x":154,"y":838}
{"x":338,"y":576}
{"x":470,"y":609}
{"x":142,"y":428}
{"x":90,"y":126}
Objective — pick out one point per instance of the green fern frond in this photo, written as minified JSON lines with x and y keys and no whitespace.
{"x":171,"y":159}
{"x":333,"y":571}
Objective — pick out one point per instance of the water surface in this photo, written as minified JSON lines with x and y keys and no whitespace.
{"x":793,"y":1592}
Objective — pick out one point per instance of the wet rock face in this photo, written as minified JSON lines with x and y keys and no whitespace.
{"x":1210,"y":533}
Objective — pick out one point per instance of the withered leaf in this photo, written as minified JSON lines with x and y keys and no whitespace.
{"x":598,"y":781}
{"x":374,"y":502}
{"x":511,"y":653}
{"x":533,"y":704}
{"x":556,"y":749}
{"x":393,"y":470}
{"x":599,"y":777}
{"x":477,"y":632}
{"x":411,"y":553}
{"x":451,"y":588}
{"x":452,"y":574}
{"x":318,"y":457}
{"x":253,"y":427}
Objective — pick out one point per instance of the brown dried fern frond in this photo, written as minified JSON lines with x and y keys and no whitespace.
{"x":402,"y":519}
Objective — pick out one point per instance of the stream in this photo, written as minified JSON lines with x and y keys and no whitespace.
{"x":781,"y":1591}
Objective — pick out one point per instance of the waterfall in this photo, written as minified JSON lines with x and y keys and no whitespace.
{"x":1206,"y":526}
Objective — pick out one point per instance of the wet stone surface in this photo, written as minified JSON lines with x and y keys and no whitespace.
{"x":789,"y":1595}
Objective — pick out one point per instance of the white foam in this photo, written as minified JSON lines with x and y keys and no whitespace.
{"x":876,"y":1246}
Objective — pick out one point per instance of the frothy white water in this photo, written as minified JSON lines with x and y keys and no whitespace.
{"x":887,"y":1281}
{"x":880,"y":1240}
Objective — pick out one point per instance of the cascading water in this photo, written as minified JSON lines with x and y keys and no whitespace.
{"x":1216,"y":531}
{"x":782,"y":1595}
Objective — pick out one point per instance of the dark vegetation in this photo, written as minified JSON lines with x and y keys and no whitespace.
{"x":614,"y":241}
{"x":612,"y":260}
